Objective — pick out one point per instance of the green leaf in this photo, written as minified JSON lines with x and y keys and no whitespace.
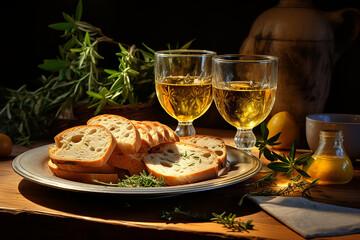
{"x":293,"y":150}
{"x":94,"y":95}
{"x":303,"y":158}
{"x":63,"y":26}
{"x":302,"y":172}
{"x":273,"y":139}
{"x":278,"y":166}
{"x":187,"y":45}
{"x":76,"y":50}
{"x":78,"y":12}
{"x":87,"y":39}
{"x":268,"y":155}
{"x":264,"y":130}
{"x":52,"y":65}
{"x":148,"y":48}
{"x":67,"y":17}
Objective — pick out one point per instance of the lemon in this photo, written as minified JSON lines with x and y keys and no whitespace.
{"x":285,"y":123}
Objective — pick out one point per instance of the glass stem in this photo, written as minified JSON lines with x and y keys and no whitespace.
{"x":185,"y":129}
{"x":245,"y":140}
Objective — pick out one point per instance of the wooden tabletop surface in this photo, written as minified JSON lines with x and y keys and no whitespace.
{"x":29,"y":209}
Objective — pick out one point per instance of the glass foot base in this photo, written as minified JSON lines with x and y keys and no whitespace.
{"x":185,"y":129}
{"x":245,"y":140}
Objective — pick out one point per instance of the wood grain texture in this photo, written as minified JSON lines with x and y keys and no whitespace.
{"x":35,"y":206}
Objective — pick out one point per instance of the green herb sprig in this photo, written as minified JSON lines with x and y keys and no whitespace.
{"x":229,"y":221}
{"x":75,"y":76}
{"x":287,"y":164}
{"x":178,"y":215}
{"x":137,"y":180}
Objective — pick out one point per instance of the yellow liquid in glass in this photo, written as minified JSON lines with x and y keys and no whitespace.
{"x":243,"y":104}
{"x":330,"y":169}
{"x":184,"y":99}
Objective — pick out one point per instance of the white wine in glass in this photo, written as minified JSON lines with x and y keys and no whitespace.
{"x":244,"y":88}
{"x":183,"y":85}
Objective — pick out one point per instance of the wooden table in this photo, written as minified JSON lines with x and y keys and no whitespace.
{"x":31,"y":210}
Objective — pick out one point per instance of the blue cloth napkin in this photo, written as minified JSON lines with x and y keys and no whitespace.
{"x":309,"y":218}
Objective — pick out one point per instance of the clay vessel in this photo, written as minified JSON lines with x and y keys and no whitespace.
{"x":308,"y":43}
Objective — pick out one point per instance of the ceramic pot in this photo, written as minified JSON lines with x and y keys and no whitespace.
{"x":307,"y":43}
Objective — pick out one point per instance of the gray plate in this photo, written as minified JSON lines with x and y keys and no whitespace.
{"x":32,"y":165}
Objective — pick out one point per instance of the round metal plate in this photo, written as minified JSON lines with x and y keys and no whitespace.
{"x":32,"y":165}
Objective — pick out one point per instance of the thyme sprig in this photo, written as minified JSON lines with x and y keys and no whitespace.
{"x":137,"y":180}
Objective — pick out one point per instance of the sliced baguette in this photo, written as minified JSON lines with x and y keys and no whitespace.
{"x":84,"y":146}
{"x":213,"y":143}
{"x":152,"y":131}
{"x":146,"y":139}
{"x":181,"y":163}
{"x":69,"y":166}
{"x":156,"y":129}
{"x":124,"y":131}
{"x":173,"y":137}
{"x":133,"y":163}
{"x":82,"y":176}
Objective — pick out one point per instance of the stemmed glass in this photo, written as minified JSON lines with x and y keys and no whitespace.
{"x":244,"y":88}
{"x":183,"y":85}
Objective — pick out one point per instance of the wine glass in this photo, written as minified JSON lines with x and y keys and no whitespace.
{"x":244,"y":88}
{"x":183,"y":85}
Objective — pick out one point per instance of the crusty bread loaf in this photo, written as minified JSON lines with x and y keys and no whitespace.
{"x":133,"y":163}
{"x":213,"y":143}
{"x":124,"y":131}
{"x":82,"y":176}
{"x":84,"y":146}
{"x":181,"y":163}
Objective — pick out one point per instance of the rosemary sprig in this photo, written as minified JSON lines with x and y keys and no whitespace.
{"x":230,"y":221}
{"x":178,"y":215}
{"x":75,"y":77}
{"x":285,"y":164}
{"x":137,"y":180}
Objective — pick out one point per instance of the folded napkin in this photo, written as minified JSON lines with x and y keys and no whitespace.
{"x":311,"y":219}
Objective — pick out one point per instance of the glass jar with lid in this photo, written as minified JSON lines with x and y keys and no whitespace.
{"x":330,"y":162}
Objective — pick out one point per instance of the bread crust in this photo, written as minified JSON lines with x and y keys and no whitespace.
{"x":57,"y":149}
{"x":81,"y":176}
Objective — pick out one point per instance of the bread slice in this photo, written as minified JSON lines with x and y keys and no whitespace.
{"x":158,"y":128}
{"x":181,"y":163}
{"x":172,"y":136}
{"x":133,"y":163}
{"x":69,"y":166}
{"x":84,"y":146}
{"x":124,"y":131}
{"x":213,"y":143}
{"x":152,"y":131}
{"x":82,"y":176}
{"x":145,"y":137}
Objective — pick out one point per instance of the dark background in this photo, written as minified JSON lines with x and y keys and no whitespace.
{"x":216,"y":25}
